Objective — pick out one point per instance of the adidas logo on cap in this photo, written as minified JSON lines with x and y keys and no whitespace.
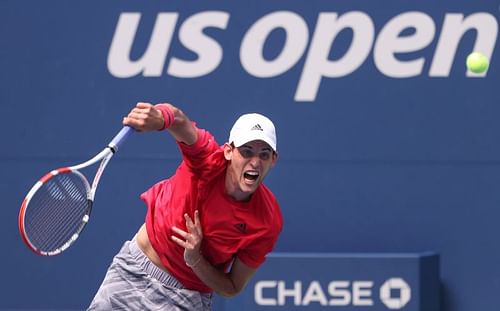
{"x":257,"y":127}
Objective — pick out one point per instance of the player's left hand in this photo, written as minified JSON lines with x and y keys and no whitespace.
{"x":191,"y":239}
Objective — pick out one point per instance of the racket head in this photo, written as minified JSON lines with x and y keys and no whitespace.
{"x":55,"y":211}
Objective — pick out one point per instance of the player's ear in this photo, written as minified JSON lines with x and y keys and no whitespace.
{"x":228,"y":151}
{"x":275,"y":158}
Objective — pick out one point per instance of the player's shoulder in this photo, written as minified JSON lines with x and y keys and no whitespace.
{"x":269,"y":200}
{"x":267,"y":194}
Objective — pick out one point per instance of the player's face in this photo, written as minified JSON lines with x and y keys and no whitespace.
{"x":248,"y":165}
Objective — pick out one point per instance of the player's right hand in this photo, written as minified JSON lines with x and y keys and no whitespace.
{"x":144,"y":117}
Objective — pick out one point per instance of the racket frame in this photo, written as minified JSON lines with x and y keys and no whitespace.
{"x":104,"y":156}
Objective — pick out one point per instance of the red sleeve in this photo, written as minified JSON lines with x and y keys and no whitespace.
{"x":255,"y":254}
{"x":195,"y":154}
{"x":204,"y":158}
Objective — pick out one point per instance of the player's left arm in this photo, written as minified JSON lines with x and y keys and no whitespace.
{"x":225,"y":284}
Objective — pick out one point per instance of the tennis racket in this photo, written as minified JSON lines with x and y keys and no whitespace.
{"x":57,"y":208}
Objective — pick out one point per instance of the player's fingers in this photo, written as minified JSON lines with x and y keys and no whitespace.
{"x":132,"y":122}
{"x":196,"y":217}
{"x":180,"y":232}
{"x":197,"y":223}
{"x":189,"y":223}
{"x":136,"y":114}
{"x":143,"y":105}
{"x":137,"y":124}
{"x":179,"y":241}
{"x":143,"y":119}
{"x":126,"y":121}
{"x":189,"y":243}
{"x":146,"y":111}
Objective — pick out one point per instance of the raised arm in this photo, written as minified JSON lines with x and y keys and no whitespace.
{"x":146,"y":117}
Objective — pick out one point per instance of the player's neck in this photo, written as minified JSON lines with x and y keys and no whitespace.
{"x":233,"y":191}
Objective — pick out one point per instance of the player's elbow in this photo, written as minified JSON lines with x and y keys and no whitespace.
{"x":230,"y":291}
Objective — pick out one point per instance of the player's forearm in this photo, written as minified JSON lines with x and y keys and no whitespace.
{"x":217,"y":280}
{"x":178,"y":124}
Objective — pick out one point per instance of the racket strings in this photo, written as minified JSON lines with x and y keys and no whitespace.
{"x":68,"y":190}
{"x":54,"y":224}
{"x":56,"y":211}
{"x":59,"y":220}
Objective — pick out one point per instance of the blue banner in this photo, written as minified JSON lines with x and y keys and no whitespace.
{"x":387,"y":142}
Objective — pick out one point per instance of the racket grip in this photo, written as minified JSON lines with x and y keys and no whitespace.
{"x":120,"y":138}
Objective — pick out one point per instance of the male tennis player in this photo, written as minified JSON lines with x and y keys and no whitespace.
{"x":208,"y":227}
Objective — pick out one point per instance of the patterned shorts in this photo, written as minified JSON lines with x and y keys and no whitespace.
{"x":133,"y":282}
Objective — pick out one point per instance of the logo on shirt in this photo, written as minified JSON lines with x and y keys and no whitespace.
{"x":241,"y":227}
{"x":256,"y":127}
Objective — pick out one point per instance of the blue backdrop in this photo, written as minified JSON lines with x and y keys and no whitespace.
{"x":386,"y":143}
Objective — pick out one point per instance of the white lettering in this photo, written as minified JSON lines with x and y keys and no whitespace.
{"x":361,"y":293}
{"x":408,"y":32}
{"x":259,"y":293}
{"x":208,"y":50}
{"x":340,"y":293}
{"x":152,"y":62}
{"x":389,"y":43}
{"x":317,"y":64}
{"x":295,"y":292}
{"x":252,"y":46}
{"x":314,"y":293}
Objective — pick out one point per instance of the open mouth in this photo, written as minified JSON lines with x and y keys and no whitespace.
{"x":251,"y":175}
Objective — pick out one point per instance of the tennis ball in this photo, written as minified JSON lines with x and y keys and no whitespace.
{"x":477,"y":62}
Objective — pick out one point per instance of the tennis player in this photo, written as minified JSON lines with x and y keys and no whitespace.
{"x":208,"y":227}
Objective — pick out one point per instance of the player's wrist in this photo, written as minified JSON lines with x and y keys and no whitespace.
{"x":167,"y":114}
{"x":191,"y":263}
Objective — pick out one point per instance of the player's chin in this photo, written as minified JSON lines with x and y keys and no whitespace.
{"x":250,"y":186}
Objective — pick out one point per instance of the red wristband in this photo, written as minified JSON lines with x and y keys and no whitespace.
{"x":168,"y":115}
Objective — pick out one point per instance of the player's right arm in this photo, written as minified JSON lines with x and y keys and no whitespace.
{"x":147,"y":117}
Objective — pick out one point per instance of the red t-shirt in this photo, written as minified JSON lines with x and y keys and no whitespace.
{"x":247,"y":230}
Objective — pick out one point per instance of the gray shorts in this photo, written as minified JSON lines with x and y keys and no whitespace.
{"x":133,"y":282}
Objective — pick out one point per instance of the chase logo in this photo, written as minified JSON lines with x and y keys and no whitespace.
{"x":393,"y":294}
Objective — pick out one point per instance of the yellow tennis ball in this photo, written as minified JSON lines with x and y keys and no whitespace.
{"x":477,"y":62}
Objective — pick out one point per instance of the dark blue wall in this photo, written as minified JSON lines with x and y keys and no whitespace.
{"x":372,"y":162}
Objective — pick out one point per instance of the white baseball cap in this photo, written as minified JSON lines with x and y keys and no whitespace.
{"x":253,"y":126}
